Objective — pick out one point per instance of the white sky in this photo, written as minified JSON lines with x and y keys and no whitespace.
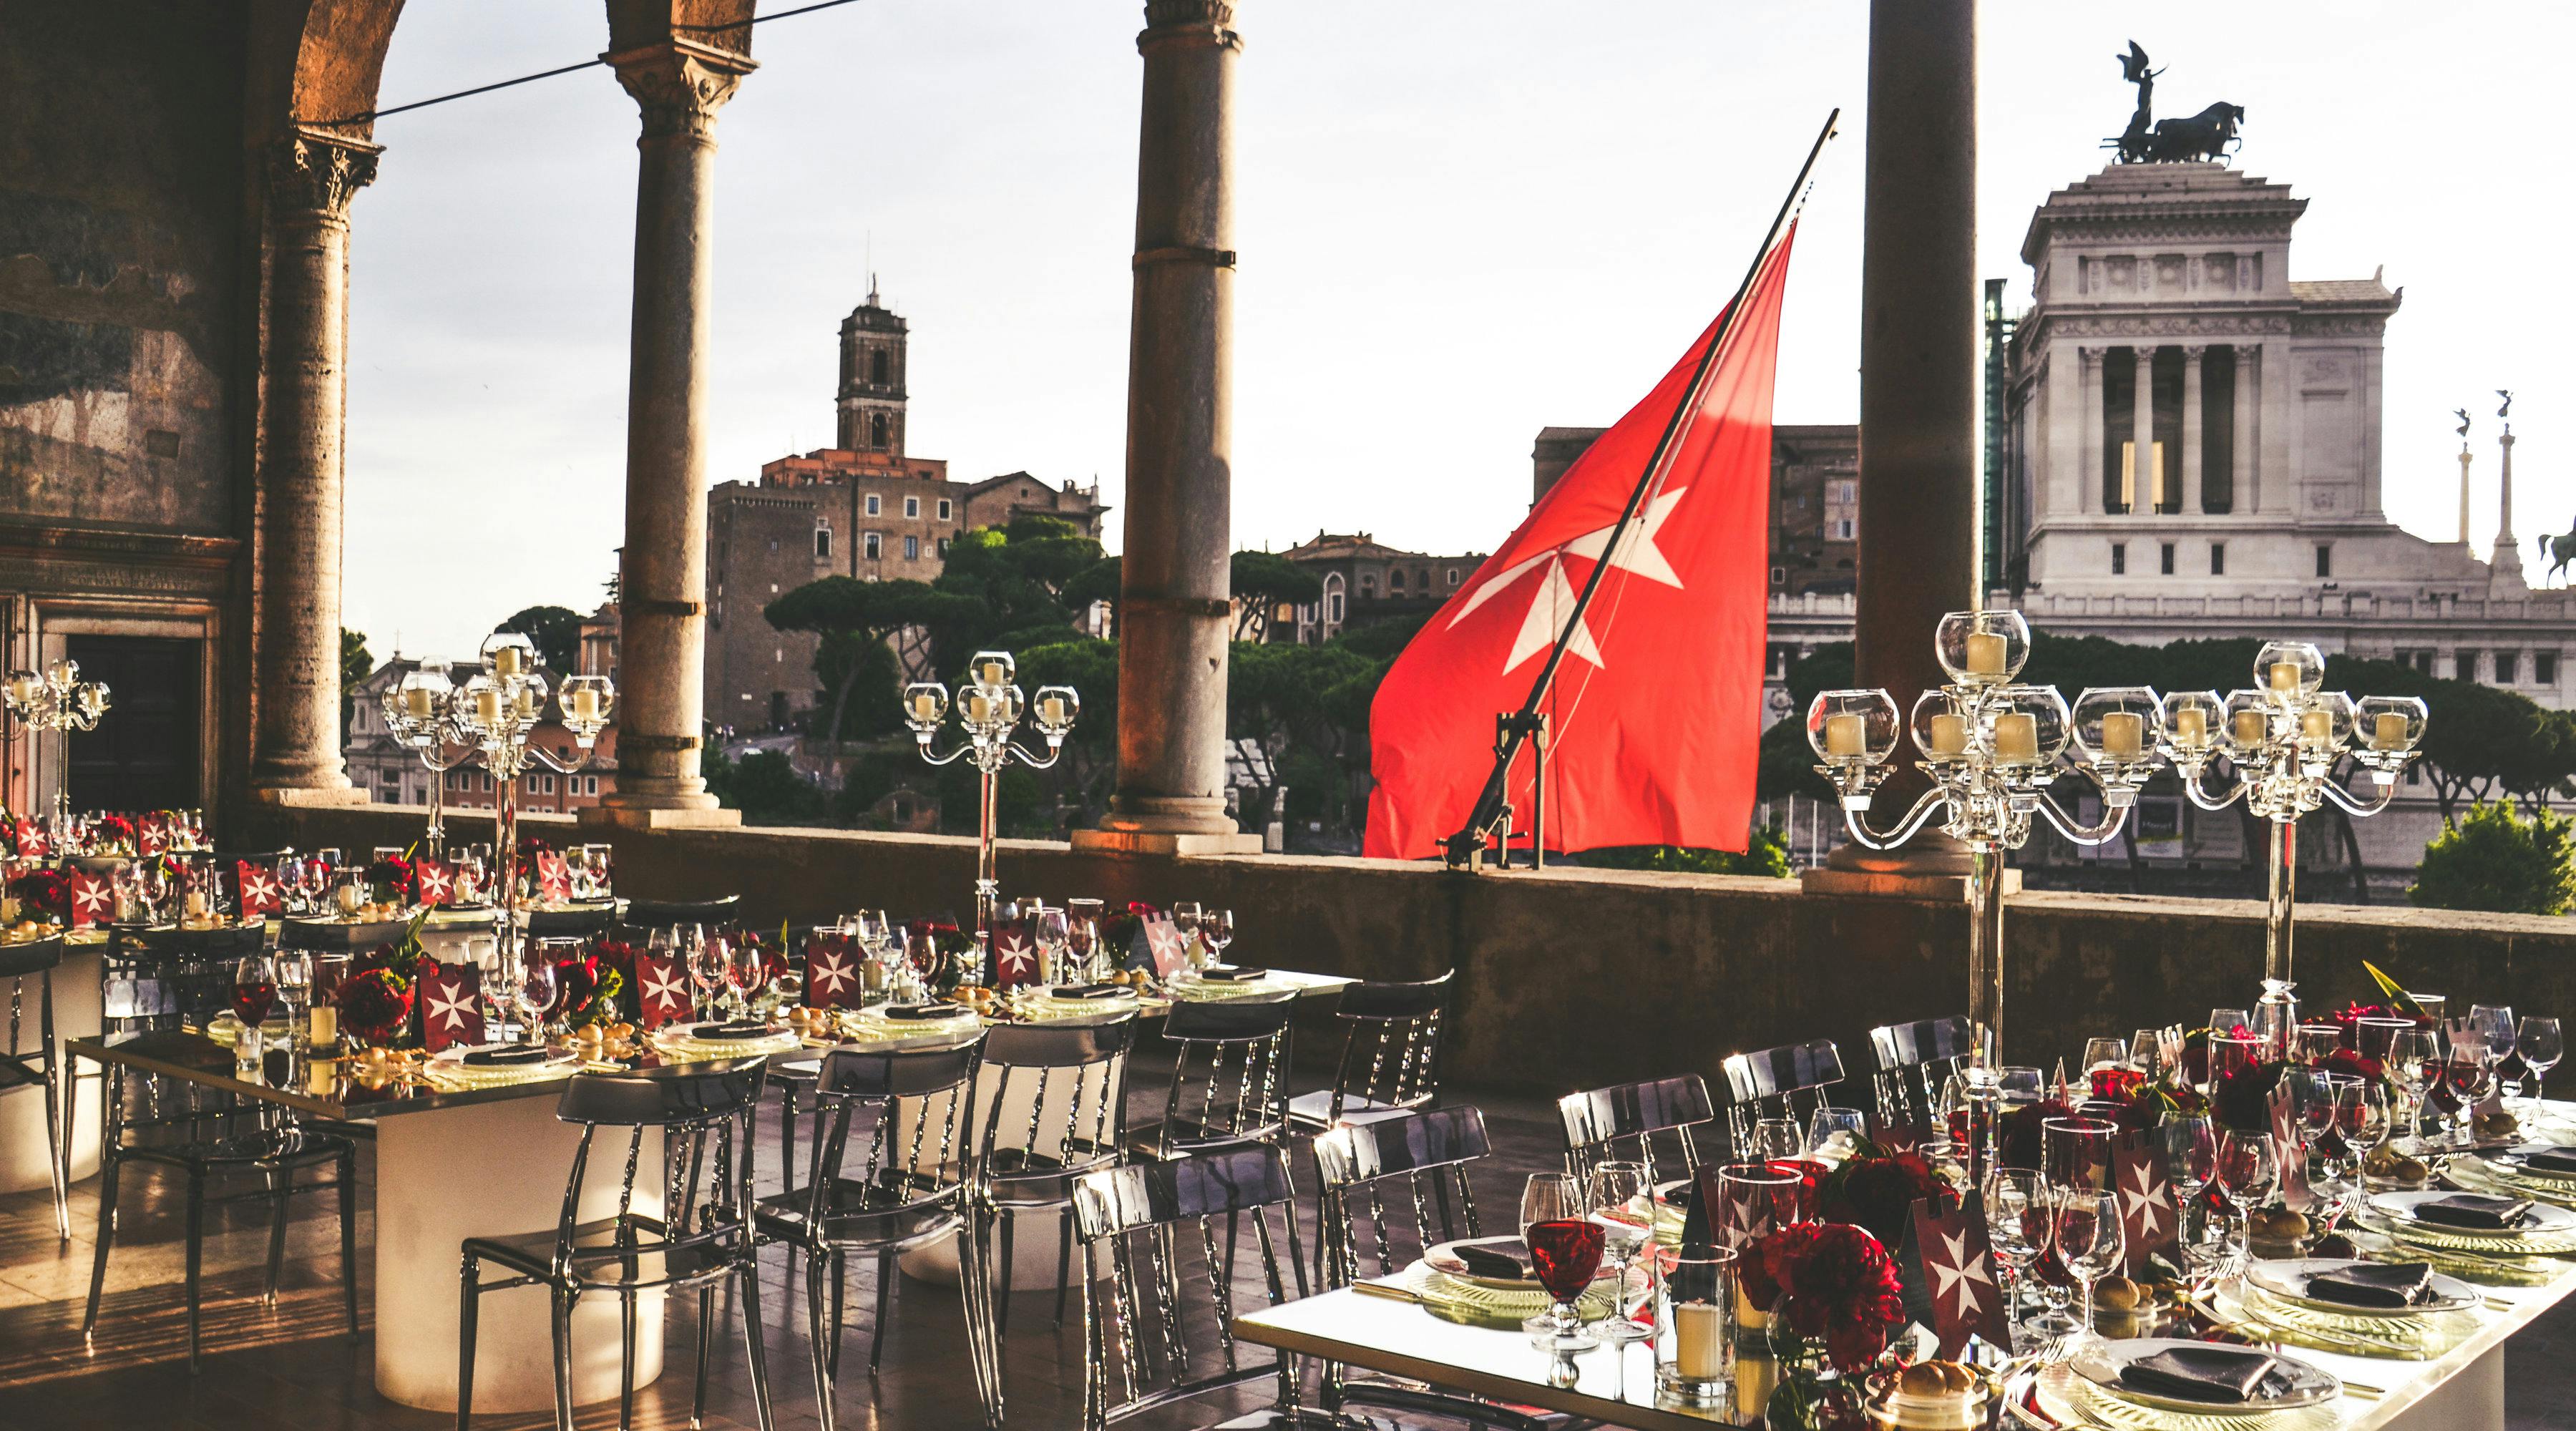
{"x":1460,"y":220}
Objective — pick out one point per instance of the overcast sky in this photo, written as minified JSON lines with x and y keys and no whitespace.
{"x":1460,"y":221}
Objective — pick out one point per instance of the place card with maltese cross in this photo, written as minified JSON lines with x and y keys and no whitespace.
{"x":833,"y":979}
{"x":1958,"y":1276}
{"x":451,"y":1005}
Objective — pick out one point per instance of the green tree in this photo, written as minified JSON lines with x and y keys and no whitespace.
{"x":1766,"y":853}
{"x":2497,"y":860}
{"x":1261,"y":583}
{"x":1083,"y":774}
{"x":554,"y":630}
{"x":1282,"y":698}
{"x":852,"y":621}
{"x":765,"y":787}
{"x":1012,"y":581}
{"x":355,"y":664}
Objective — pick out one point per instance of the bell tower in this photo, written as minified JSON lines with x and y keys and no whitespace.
{"x":871,"y":401}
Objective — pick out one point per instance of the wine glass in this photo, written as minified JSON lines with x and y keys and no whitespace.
{"x":1777,"y":1139}
{"x":1185,"y":919}
{"x":534,"y":986}
{"x":254,"y":989}
{"x":2190,"y":1148}
{"x":294,"y":982}
{"x":155,"y":890}
{"x":2142,"y":1051}
{"x":2010,"y":1194}
{"x":1216,"y":926}
{"x":1565,"y":1251}
{"x":2085,"y":1228}
{"x":1623,"y":1203}
{"x":1053,"y":935}
{"x":745,"y":969}
{"x":1834,"y":1134}
{"x":2539,"y":1043}
{"x":2226,"y":1020}
{"x":2228,"y":1053}
{"x":706,"y":963}
{"x":2102,"y":1053}
{"x":2415,"y":1061}
{"x":2470,"y":1074}
{"x":2248,"y":1168}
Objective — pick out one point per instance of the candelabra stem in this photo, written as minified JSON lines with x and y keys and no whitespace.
{"x":505,"y":860}
{"x":2276,"y":1016}
{"x":1981,"y":1078}
{"x":988,"y":884}
{"x":436,"y":838}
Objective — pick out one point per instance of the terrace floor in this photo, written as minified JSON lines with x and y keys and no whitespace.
{"x":290,"y":1367}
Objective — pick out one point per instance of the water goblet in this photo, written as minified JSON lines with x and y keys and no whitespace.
{"x":1185,"y":919}
{"x":2248,"y":1169}
{"x":706,"y":963}
{"x":534,"y":987}
{"x":2102,"y":1053}
{"x":1216,"y":926}
{"x":746,"y":969}
{"x":2075,"y":1152}
{"x":2008,"y":1196}
{"x":1053,"y":935}
{"x":1775,"y":1139}
{"x":2142,"y":1052}
{"x":1565,"y":1251}
{"x":2540,"y":1045}
{"x":2090,"y":1241}
{"x":2228,"y":1020}
{"x":1623,"y":1202}
{"x":1834,"y":1134}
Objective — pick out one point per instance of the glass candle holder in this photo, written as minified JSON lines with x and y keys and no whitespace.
{"x":1982,"y":648}
{"x":1852,"y":727}
{"x":2119,"y":725}
{"x":1757,"y":1199}
{"x":2289,"y":671}
{"x":1941,"y":728}
{"x":2192,"y":722}
{"x":1695,"y":1327}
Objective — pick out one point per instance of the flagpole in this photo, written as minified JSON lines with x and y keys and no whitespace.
{"x":1464,"y":848}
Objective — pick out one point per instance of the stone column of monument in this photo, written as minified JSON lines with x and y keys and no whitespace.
{"x":2143,"y":467}
{"x":2464,"y":491}
{"x":1919,"y":376}
{"x":1174,"y":616}
{"x":2088,"y":467}
{"x":2191,"y":496}
{"x":2245,"y":439}
{"x":2272,"y":475}
{"x":295,"y":757}
{"x":2504,"y":568}
{"x":679,"y":84}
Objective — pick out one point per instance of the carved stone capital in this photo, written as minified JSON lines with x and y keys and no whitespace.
{"x":1189,"y":22}
{"x":317,"y":174}
{"x":680,"y":85}
{"x":2191,"y":352}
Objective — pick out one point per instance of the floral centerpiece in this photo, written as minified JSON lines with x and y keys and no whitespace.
{"x":390,"y":880}
{"x":43,"y":895}
{"x":1876,"y":1189}
{"x":113,"y":835}
{"x":375,"y":997}
{"x":1832,"y":1295}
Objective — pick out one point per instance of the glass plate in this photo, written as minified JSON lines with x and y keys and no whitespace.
{"x":2549,"y":1222}
{"x":2072,"y":1400}
{"x":2286,"y":1279}
{"x":2098,"y":1363}
{"x":1455,"y":1300}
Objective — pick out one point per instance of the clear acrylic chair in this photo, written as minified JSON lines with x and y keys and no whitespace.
{"x":41,"y":1068}
{"x":702,"y":1236}
{"x":1390,"y":1057}
{"x":1070,"y":1078}
{"x":1229,"y":1075}
{"x":1914,"y":1061}
{"x":903,"y":1188}
{"x":1637,"y":1122}
{"x":1158,"y":1330}
{"x":1784,"y":1082}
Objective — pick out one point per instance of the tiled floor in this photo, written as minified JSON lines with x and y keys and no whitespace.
{"x":292,"y":1367}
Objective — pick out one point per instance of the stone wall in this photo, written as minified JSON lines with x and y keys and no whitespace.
{"x":1569,"y":978}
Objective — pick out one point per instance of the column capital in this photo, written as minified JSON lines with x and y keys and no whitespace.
{"x":2191,"y":352}
{"x":313,"y":172}
{"x":680,"y":84}
{"x":1189,"y":23}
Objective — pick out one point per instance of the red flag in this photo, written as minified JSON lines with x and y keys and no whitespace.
{"x":1959,"y":1275}
{"x":432,"y":881}
{"x":1656,"y":710}
{"x":1015,"y":958}
{"x":554,"y":878}
{"x":2148,"y":1216}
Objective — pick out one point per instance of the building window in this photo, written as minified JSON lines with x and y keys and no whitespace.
{"x":2325,"y":558}
{"x":912,"y":549}
{"x":2218,"y":558}
{"x":2119,"y":558}
{"x":1394,"y":582}
{"x":2166,"y":558}
{"x":873,"y":544}
{"x":2464,"y":665}
{"x":2506,"y":664}
{"x":1779,"y":575}
{"x":943,"y":547}
{"x":876,"y":504}
{"x":1453,"y":576}
{"x":822,"y":541}
{"x":943,"y":509}
{"x":877,"y":367}
{"x":1333,"y":598}
{"x":1368,"y":587}
{"x":2544,"y":667}
{"x":877,"y":431}
{"x":912,"y":506}
{"x":1842,"y":508}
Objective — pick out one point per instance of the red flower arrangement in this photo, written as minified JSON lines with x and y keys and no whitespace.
{"x":1877,"y":1191}
{"x":2242,"y":1101}
{"x":390,"y":878}
{"x":2021,"y":1135}
{"x":374,"y":1004}
{"x":1118,"y":930}
{"x":2116,"y":1085}
{"x":43,"y":892}
{"x":114,"y":831}
{"x":1834,"y":1282}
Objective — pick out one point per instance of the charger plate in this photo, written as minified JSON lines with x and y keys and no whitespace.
{"x":2070,"y":1400}
{"x":2097,"y":1366}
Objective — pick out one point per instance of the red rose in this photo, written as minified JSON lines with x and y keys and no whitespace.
{"x":45,"y":891}
{"x":2242,"y":1101}
{"x":1879,"y":1193}
{"x":373,"y":1004}
{"x":2117,"y":1085}
{"x":1840,"y":1287}
{"x":2021,"y":1135}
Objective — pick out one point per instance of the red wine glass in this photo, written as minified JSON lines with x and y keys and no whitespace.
{"x":1565,"y":1252}
{"x":254,"y":989}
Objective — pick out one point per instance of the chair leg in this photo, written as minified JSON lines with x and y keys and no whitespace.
{"x":58,"y":1148}
{"x":196,"y":1256}
{"x":706,"y":1349}
{"x":840,"y":1305}
{"x":977,"y":1289}
{"x":107,"y":1170}
{"x":469,"y":1306}
{"x":625,"y":1363}
{"x":751,"y":1340}
{"x":563,"y":1360}
{"x":886,"y":1273}
{"x":1064,"y":1263}
{"x":1002,"y":1305}
{"x":281,"y":1191}
{"x":348,"y":1166}
{"x":820,"y":1338}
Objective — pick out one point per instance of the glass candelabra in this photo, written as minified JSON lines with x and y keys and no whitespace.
{"x":421,"y":714}
{"x":989,"y":706}
{"x":2284,"y":739}
{"x":1992,"y":747}
{"x":496,"y":712}
{"x":58,"y":700}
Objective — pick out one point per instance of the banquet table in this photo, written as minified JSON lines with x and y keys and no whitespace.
{"x":457,"y":1162}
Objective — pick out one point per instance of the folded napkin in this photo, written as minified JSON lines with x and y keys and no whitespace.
{"x":2475,"y":1210}
{"x":1094,"y":991}
{"x":2201,"y":1373}
{"x":1232,"y":974}
{"x":503,"y":1057}
{"x":924,"y":1013}
{"x":1506,"y":1257}
{"x":2552,"y":1160}
{"x":2395,"y":1284}
{"x":727,"y":1033}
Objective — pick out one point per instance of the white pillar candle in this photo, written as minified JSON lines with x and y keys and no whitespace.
{"x":505,"y":661}
{"x":1051,"y":710}
{"x":1985,"y":653}
{"x":349,"y":899}
{"x":197,"y":906}
{"x":979,"y":708}
{"x":2388,"y":731}
{"x":925,"y":707}
{"x":1699,"y":1341}
{"x":325,"y":1028}
{"x":2017,"y":736}
{"x":2191,"y":728}
{"x":2251,"y":727}
{"x":585,"y":703}
{"x":1949,"y":734}
{"x":416,"y":702}
{"x":487,"y":707}
{"x":2316,"y":728}
{"x":1846,"y":735}
{"x":992,"y":674}
{"x":2285,"y":677}
{"x":2124,"y":734}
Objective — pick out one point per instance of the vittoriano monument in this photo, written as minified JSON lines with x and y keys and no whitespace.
{"x":2208,"y":135}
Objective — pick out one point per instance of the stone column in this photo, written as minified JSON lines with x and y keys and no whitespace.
{"x":2142,"y":431}
{"x":2245,"y":441}
{"x":680,"y":85}
{"x":2190,"y":497}
{"x":2088,"y":490}
{"x":2504,"y":566}
{"x":2464,"y":492}
{"x":296,"y":682}
{"x":1173,"y":615}
{"x":1919,"y":373}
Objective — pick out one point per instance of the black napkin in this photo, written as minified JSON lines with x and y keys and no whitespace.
{"x":2552,"y":1160}
{"x":520,"y":1054}
{"x":1231,"y":973}
{"x":923,"y":1013}
{"x":2475,"y":1210}
{"x":1096,"y":991}
{"x":721,"y":1033}
{"x":2395,"y":1284}
{"x":2200,"y":1373}
{"x":1506,"y":1257}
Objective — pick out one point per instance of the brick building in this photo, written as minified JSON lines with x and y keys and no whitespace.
{"x":1366,"y":581}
